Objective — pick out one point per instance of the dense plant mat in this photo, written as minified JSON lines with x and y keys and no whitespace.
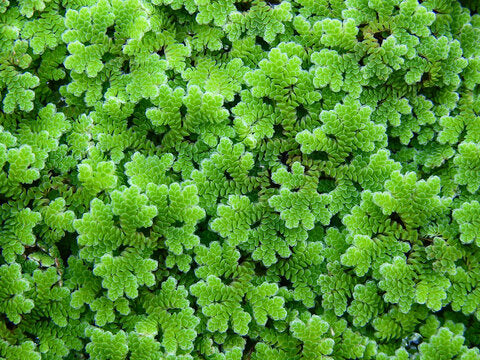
{"x":239,"y":180}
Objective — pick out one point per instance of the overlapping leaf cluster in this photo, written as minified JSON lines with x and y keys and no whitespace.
{"x":239,"y":179}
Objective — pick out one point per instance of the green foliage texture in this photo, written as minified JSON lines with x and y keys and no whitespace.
{"x":239,"y":179}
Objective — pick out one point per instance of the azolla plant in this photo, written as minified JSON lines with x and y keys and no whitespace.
{"x":239,"y":180}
